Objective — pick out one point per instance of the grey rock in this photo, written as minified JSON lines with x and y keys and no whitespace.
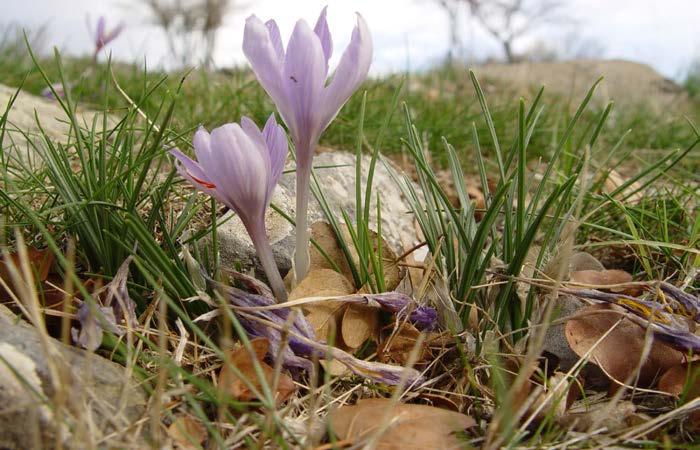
{"x":44,"y":382}
{"x":335,"y":171}
{"x":555,"y":340}
{"x":584,"y":261}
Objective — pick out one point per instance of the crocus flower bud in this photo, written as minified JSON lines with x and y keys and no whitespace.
{"x":239,"y":165}
{"x":297,"y":82}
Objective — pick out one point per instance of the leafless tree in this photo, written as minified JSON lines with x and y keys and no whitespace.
{"x":510,"y":20}
{"x":190,"y":26}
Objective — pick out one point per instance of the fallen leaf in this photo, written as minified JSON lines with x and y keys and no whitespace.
{"x":187,"y":433}
{"x":359,"y":323}
{"x":323,"y":235}
{"x":676,"y":378}
{"x":400,"y":426}
{"x":602,"y":278}
{"x":558,"y":394}
{"x":324,"y":316}
{"x":240,"y":358}
{"x":397,"y":347}
{"x":40,"y":262}
{"x":684,"y":379}
{"x":633,"y":192}
{"x":620,"y":352}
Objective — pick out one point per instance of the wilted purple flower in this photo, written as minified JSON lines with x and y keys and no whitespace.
{"x":92,"y":326}
{"x":240,"y":166}
{"x":48,"y":91}
{"x":674,"y":329}
{"x":260,"y":317}
{"x":296,"y":80}
{"x":117,"y":307}
{"x":424,"y":318}
{"x":102,"y":37}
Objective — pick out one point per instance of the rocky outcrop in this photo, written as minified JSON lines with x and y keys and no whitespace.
{"x":50,"y":392}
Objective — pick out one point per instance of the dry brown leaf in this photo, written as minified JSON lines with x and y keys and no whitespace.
{"x":615,"y":179}
{"x":675,"y":380}
{"x":40,"y":261}
{"x":324,"y":316}
{"x":322,"y":283}
{"x":324,"y":236}
{"x":405,"y":426}
{"x":397,"y":348}
{"x":187,"y":433}
{"x":359,"y":323}
{"x":677,"y":377}
{"x":559,"y":393}
{"x":602,"y":278}
{"x":619,"y":353}
{"x":240,"y":358}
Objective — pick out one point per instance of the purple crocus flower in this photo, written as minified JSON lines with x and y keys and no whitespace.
{"x":239,"y":165}
{"x":297,"y":82}
{"x":103,"y":37}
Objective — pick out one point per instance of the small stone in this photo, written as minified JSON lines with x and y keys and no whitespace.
{"x":555,"y":340}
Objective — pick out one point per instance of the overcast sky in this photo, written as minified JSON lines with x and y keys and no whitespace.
{"x":407,"y":33}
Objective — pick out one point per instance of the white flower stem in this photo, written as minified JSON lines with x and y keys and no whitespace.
{"x":267,"y":260}
{"x":301,"y":251}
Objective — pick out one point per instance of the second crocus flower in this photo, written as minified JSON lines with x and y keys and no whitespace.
{"x":240,"y":166}
{"x":297,"y":82}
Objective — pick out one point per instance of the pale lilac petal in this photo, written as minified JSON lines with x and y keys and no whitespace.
{"x":242,"y":174}
{"x":100,"y":32}
{"x":259,"y":48}
{"x":350,"y":73}
{"x":191,"y":170}
{"x":202,"y":148}
{"x":304,"y":77}
{"x":276,"y":141}
{"x":112,"y":35}
{"x":324,"y":34}
{"x":253,"y":133}
{"x":276,"y":40}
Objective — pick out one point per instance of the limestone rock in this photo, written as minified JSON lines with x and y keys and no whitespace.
{"x":22,"y":123}
{"x":335,"y":171}
{"x":42,"y":379}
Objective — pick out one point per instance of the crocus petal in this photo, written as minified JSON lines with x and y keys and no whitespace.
{"x":192,"y":171}
{"x":92,"y":327}
{"x":259,"y":143}
{"x":324,"y":34}
{"x":350,"y":73}
{"x":112,"y":35}
{"x":100,"y":31}
{"x":260,"y":49}
{"x":243,"y":172}
{"x":304,"y":77}
{"x":276,"y":142}
{"x":276,"y":40}
{"x":202,"y":149}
